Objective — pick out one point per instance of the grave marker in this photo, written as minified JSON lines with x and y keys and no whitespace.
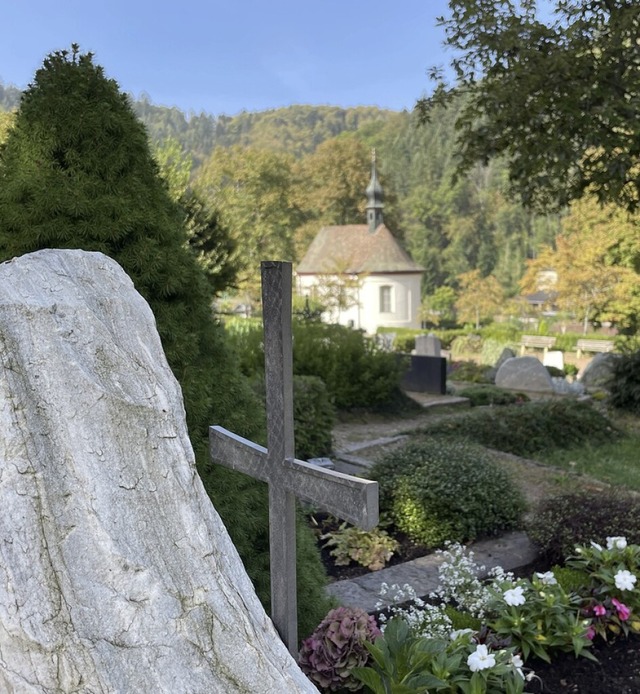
{"x":346,"y":497}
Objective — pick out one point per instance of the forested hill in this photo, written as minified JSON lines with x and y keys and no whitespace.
{"x":449,"y":228}
{"x":297,"y":130}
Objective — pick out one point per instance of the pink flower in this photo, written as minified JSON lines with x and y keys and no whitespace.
{"x":623,"y":611}
{"x":591,"y":632}
{"x":599,"y":610}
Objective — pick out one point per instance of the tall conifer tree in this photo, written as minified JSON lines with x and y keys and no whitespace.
{"x":76,"y":171}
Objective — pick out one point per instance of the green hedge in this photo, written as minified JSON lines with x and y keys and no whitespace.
{"x":355,"y":370}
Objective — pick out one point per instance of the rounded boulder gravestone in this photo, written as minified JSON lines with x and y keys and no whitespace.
{"x":524,"y":373}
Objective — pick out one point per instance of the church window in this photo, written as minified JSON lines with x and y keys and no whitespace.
{"x":385,"y":299}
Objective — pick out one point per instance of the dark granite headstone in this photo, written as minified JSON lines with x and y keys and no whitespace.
{"x":426,"y":375}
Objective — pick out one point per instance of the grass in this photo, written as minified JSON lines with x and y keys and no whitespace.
{"x":615,"y":463}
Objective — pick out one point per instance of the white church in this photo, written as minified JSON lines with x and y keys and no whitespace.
{"x":378,"y":280}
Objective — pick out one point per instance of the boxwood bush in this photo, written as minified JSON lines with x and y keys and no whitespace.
{"x":355,"y":370}
{"x":439,"y":489}
{"x":564,"y":521}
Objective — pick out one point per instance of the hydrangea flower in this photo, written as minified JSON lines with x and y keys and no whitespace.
{"x":481,"y":659}
{"x":547,"y":578}
{"x":625,"y":580}
{"x":514,"y":596}
{"x":616,"y":542}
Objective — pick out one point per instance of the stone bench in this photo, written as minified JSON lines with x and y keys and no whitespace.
{"x":536,"y":342}
{"x":593,"y":346}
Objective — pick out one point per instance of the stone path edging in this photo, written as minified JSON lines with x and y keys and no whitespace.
{"x":509,"y":551}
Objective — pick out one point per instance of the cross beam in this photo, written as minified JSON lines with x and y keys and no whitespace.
{"x":347,"y":497}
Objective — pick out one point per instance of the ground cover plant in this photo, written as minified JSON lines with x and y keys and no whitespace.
{"x":579,"y":517}
{"x":481,"y":395}
{"x":528,"y":428}
{"x":615,"y":462}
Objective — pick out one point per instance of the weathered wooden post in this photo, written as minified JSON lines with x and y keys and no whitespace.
{"x":347,"y":497}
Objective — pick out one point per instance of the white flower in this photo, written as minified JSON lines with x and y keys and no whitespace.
{"x":518,"y":664}
{"x":514,"y":596}
{"x":547,"y":578}
{"x":595,"y":545}
{"x":616,"y":542}
{"x":624,"y":580}
{"x":459,"y":633}
{"x":481,"y":659}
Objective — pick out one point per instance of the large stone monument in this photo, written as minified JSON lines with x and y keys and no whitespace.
{"x":116,"y":573}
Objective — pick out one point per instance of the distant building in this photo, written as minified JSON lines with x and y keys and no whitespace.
{"x":360,"y":271}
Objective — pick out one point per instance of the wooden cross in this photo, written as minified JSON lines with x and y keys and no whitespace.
{"x":344,"y":496}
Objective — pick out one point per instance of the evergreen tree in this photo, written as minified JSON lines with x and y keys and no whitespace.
{"x":76,"y":171}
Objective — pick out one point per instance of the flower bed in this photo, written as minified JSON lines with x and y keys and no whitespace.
{"x":494,"y":636}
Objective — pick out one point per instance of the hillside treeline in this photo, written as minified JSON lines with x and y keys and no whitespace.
{"x":275,"y":177}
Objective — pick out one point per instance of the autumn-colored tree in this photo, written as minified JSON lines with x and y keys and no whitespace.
{"x":6,"y":121}
{"x":335,"y":177}
{"x":479,"y":298}
{"x":253,"y":191}
{"x":596,"y":259}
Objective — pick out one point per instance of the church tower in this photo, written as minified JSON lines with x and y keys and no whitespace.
{"x":374,"y":198}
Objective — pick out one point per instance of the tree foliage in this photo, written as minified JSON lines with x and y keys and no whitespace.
{"x":479,"y":297}
{"x":76,"y":171}
{"x":597,"y":258}
{"x":254,"y":193}
{"x":557,"y":97}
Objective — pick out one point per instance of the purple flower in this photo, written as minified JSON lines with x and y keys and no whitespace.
{"x":599,"y":610}
{"x":623,"y":611}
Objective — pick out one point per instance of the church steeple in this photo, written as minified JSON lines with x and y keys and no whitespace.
{"x":374,"y":198}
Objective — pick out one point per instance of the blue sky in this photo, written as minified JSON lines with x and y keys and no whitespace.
{"x":225,"y":57}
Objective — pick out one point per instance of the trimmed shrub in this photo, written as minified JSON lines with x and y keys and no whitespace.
{"x":440,"y":489}
{"x":625,"y":387}
{"x":530,"y":427}
{"x":492,"y":349}
{"x":314,"y":416}
{"x":480,"y":395}
{"x":564,"y":521}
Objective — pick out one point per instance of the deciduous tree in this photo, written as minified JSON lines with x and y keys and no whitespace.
{"x":595,"y":258}
{"x":479,"y":298}
{"x":558,"y":97}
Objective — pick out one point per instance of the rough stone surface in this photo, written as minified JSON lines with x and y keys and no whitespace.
{"x":116,"y":573}
{"x":598,"y":373}
{"x":507,"y":353}
{"x":524,"y":373}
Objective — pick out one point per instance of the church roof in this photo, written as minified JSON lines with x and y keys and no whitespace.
{"x":352,"y":249}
